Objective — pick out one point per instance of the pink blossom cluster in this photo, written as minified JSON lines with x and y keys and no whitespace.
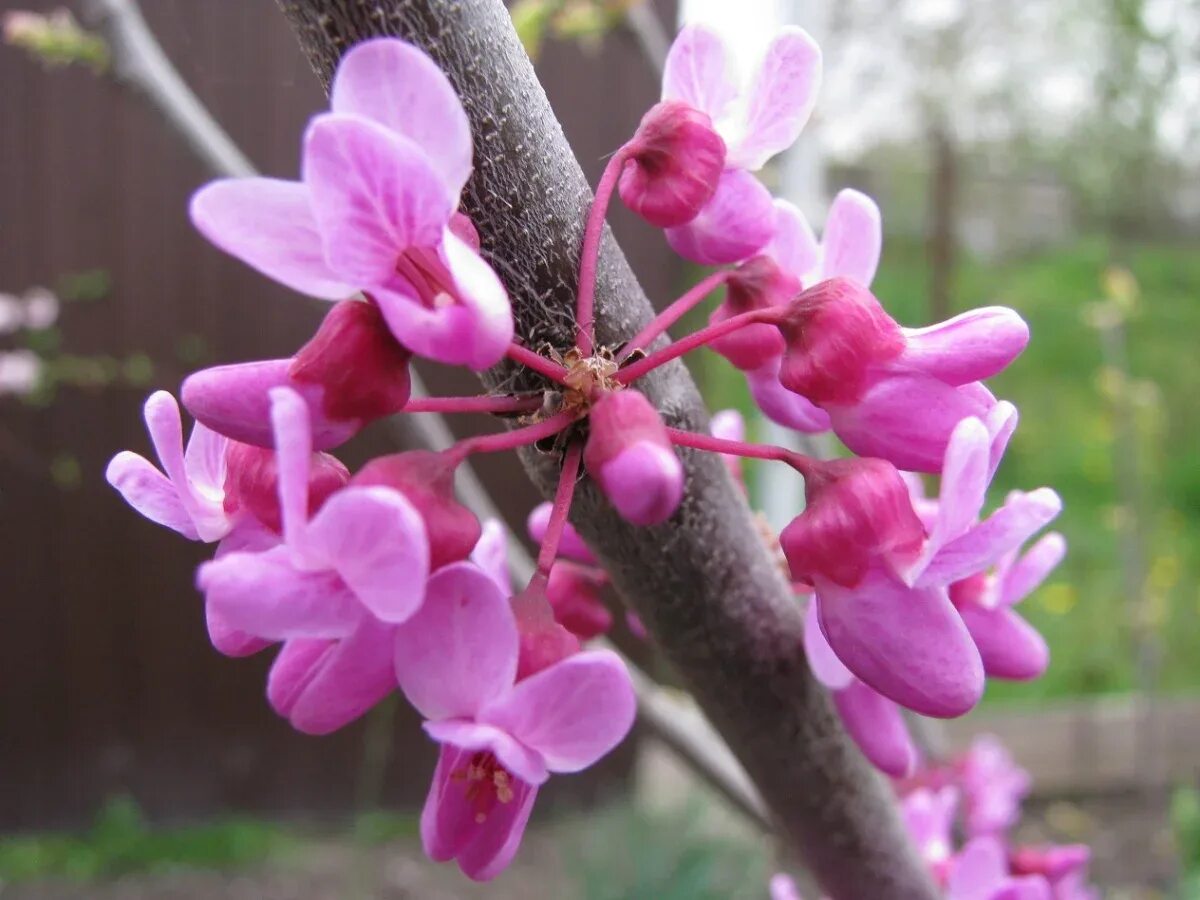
{"x":381,"y":579}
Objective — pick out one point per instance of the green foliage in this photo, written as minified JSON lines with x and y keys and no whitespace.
{"x":582,"y":21}
{"x":120,"y":842}
{"x":1185,"y":823}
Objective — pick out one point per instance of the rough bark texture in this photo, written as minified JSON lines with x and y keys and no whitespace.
{"x":703,"y":583}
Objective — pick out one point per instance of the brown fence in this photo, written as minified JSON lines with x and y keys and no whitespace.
{"x":107,"y":682}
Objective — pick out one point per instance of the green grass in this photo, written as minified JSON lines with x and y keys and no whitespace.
{"x":1066,"y":440}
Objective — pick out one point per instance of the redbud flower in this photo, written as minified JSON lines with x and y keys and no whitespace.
{"x":994,"y":786}
{"x":675,"y":162}
{"x":890,"y":392}
{"x":382,"y":175}
{"x":755,"y":124}
{"x":980,"y":872}
{"x":491,"y":554}
{"x":456,"y":662}
{"x":929,"y":819}
{"x":352,"y":372}
{"x":783,"y":888}
{"x":630,"y":457}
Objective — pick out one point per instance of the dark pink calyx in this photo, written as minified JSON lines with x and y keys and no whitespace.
{"x":252,"y":483}
{"x":858,"y":513}
{"x":543,"y":640}
{"x":574,"y":594}
{"x":758,"y":283}
{"x":361,"y":366}
{"x":1051,"y":861}
{"x":426,"y":479}
{"x":630,"y":456}
{"x":971,"y":591}
{"x":836,"y":333}
{"x":675,"y":162}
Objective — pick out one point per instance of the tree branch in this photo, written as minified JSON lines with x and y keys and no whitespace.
{"x":703,"y":584}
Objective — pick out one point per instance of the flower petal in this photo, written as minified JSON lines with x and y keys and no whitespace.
{"x":782,"y":406}
{"x":1032,"y":569}
{"x":375,"y":194}
{"x":963,"y":489}
{"x":909,"y":645}
{"x":460,"y":650}
{"x":697,"y":72}
{"x":496,"y":845}
{"x":263,"y":594}
{"x":491,"y":554}
{"x":1003,"y":531}
{"x":571,"y":713}
{"x":828,"y":669}
{"x":1010,"y":647}
{"x":979,"y":870}
{"x":293,"y":458}
{"x":878,"y":727}
{"x":853,"y":238}
{"x":375,"y":539}
{"x":734,"y":225}
{"x":521,"y":761}
{"x":204,"y":462}
{"x":268,"y":224}
{"x":970,"y":347}
{"x":780,"y":99}
{"x":395,"y":84}
{"x":794,"y":247}
{"x":149,"y":492}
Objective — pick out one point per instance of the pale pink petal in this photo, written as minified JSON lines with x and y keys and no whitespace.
{"x":782,"y":406}
{"x":697,"y":72}
{"x":728,"y":424}
{"x":783,"y":888}
{"x":929,"y":820}
{"x":1003,"y":531}
{"x":734,"y":225}
{"x":375,"y":540}
{"x":327,"y":688}
{"x":1001,"y":422}
{"x":264,"y":595}
{"x":978,"y":871}
{"x":204,"y":462}
{"x":374,"y":195}
{"x":491,"y":554}
{"x":878,"y":727}
{"x":165,"y":426}
{"x":1032,"y":569}
{"x":571,"y":713}
{"x":397,"y":85}
{"x":970,"y":347}
{"x":268,"y":224}
{"x":149,"y":492}
{"x":520,"y":760}
{"x":909,"y":645}
{"x":964,"y":486}
{"x":229,"y":641}
{"x":794,"y":247}
{"x":780,"y":100}
{"x":460,"y":650}
{"x":1009,"y":646}
{"x":906,"y":419}
{"x":853,"y":238}
{"x":824,"y":663}
{"x":293,"y":442}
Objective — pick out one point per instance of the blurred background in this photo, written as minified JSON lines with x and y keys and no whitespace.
{"x":1041,"y":155}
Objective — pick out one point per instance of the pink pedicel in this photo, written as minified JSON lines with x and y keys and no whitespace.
{"x":630,"y":456}
{"x":675,"y":160}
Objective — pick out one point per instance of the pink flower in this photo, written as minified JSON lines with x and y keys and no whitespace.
{"x":892,"y":392}
{"x":729,"y":425}
{"x":364,"y":553}
{"x":382,"y":175}
{"x":456,"y":662}
{"x":980,"y":872}
{"x":755,"y":124}
{"x":783,"y":888}
{"x":929,"y":819}
{"x":994,"y":786}
{"x":630,"y":456}
{"x":882,"y":580}
{"x":352,"y":372}
{"x":1064,"y":867}
{"x":570,"y":545}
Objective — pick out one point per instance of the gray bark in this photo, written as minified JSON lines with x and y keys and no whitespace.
{"x":703,"y":583}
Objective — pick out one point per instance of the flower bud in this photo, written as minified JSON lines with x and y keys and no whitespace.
{"x":675,"y":164}
{"x":543,"y":641}
{"x":574,"y":594}
{"x":426,"y":479}
{"x":758,"y":283}
{"x":630,"y":456}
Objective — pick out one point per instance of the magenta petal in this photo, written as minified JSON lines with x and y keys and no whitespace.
{"x":491,"y":554}
{"x":521,"y":761}
{"x":149,"y":492}
{"x":906,"y":419}
{"x":908,"y":644}
{"x":878,"y":727}
{"x":496,"y":845}
{"x":375,"y":540}
{"x":782,"y":406}
{"x":697,"y":72}
{"x":644,"y":482}
{"x":571,"y":545}
{"x":965,"y":477}
{"x":395,"y":84}
{"x":229,"y":641}
{"x":853,"y":238}
{"x":824,"y":663}
{"x":980,"y":872}
{"x":571,"y":713}
{"x":1023,"y":578}
{"x":970,"y":347}
{"x":460,"y":650}
{"x":929,"y":820}
{"x":734,"y":225}
{"x":269,"y":225}
{"x":1001,"y":422}
{"x":1022,"y":516}
{"x":374,"y":195}
{"x":336,"y":683}
{"x":780,"y":99}
{"x":1009,"y":646}
{"x":263,"y":594}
